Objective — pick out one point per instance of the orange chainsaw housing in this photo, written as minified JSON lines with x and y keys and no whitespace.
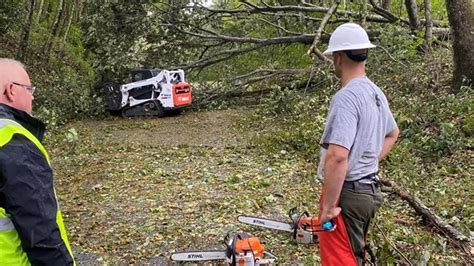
{"x":310,"y":224}
{"x":182,"y":94}
{"x":250,"y":244}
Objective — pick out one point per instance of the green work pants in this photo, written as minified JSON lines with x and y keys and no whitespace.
{"x":359,"y":203}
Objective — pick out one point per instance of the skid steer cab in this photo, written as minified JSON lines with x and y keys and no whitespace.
{"x":151,"y":92}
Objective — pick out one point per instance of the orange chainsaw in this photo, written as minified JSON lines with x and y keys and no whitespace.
{"x":303,"y":228}
{"x":241,"y":249}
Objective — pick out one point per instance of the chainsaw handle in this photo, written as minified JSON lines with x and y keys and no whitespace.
{"x":312,"y":224}
{"x":296,"y":217}
{"x":328,"y":226}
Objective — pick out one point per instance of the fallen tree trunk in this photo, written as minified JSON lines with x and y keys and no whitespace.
{"x":258,"y":43}
{"x":241,"y":90}
{"x":446,"y":229}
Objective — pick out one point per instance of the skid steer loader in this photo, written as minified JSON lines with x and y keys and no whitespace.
{"x":151,"y":93}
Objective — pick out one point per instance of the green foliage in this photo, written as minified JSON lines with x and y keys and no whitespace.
{"x":400,"y":46}
{"x":431,"y":159}
{"x":438,"y":9}
{"x":299,"y":117}
{"x":128,"y":35}
{"x":66,"y":93}
{"x":274,"y":57}
{"x":104,"y":28}
{"x":65,"y":80}
{"x":435,"y":125}
{"x":10,"y":12}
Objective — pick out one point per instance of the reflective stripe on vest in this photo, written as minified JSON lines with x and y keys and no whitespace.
{"x":11,"y":251}
{"x":6,"y":224}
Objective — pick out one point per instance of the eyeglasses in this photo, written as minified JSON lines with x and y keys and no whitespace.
{"x":30,"y":88}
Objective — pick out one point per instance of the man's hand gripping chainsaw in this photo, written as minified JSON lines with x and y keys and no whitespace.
{"x":303,"y":228}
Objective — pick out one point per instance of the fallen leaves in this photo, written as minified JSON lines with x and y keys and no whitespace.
{"x":129,"y":194}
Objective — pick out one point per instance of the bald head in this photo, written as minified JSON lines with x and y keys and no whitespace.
{"x":13,"y":73}
{"x":11,"y":70}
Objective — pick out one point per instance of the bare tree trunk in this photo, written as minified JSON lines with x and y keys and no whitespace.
{"x":54,"y":28}
{"x":40,"y":12}
{"x":428,"y":24}
{"x":461,"y":20}
{"x":71,"y":15}
{"x":412,"y":9}
{"x":365,"y":12}
{"x":25,"y":32}
{"x":79,"y":10}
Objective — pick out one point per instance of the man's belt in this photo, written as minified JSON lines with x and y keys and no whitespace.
{"x":369,"y":176}
{"x":355,"y":184}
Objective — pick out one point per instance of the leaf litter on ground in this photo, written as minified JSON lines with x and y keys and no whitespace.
{"x":136,"y":190}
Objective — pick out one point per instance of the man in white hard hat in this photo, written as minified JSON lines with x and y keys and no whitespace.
{"x":360,"y":131}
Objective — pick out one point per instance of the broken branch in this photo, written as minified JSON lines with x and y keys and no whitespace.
{"x":446,"y":229}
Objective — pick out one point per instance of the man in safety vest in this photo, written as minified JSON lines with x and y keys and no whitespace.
{"x":360,"y":131}
{"x":31,"y":227}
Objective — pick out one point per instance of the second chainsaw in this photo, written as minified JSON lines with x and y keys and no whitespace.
{"x":303,"y":227}
{"x":241,"y":249}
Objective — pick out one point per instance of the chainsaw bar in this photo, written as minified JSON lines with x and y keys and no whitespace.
{"x":199,"y":255}
{"x":266,"y":223}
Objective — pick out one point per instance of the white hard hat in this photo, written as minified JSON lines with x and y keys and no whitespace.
{"x":348,"y":36}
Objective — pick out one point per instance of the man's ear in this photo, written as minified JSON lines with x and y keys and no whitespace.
{"x":9,"y":91}
{"x":337,"y":58}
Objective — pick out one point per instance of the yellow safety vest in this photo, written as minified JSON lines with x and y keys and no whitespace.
{"x":11,"y":252}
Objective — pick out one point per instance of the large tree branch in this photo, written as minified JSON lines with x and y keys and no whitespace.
{"x":279,"y":27}
{"x":308,"y":18}
{"x":304,"y":38}
{"x":257,"y":79}
{"x":272,"y":71}
{"x":258,"y":43}
{"x":386,"y":14}
{"x":213,"y":58}
{"x":220,"y":56}
{"x":321,"y":56}
{"x":446,"y":229}
{"x":313,"y":49}
{"x":254,"y":9}
{"x":240,"y":90}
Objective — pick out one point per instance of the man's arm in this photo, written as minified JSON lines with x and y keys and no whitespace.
{"x":334,"y":175}
{"x":388,"y":143}
{"x":26,"y":184}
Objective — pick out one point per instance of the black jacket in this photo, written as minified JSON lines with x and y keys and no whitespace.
{"x":27,"y":193}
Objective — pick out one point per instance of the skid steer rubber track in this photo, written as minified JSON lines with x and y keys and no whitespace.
{"x":148,"y":109}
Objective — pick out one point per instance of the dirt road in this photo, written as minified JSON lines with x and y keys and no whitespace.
{"x":135,"y":190}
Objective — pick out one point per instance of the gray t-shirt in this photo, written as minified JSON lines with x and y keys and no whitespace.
{"x":359,"y":118}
